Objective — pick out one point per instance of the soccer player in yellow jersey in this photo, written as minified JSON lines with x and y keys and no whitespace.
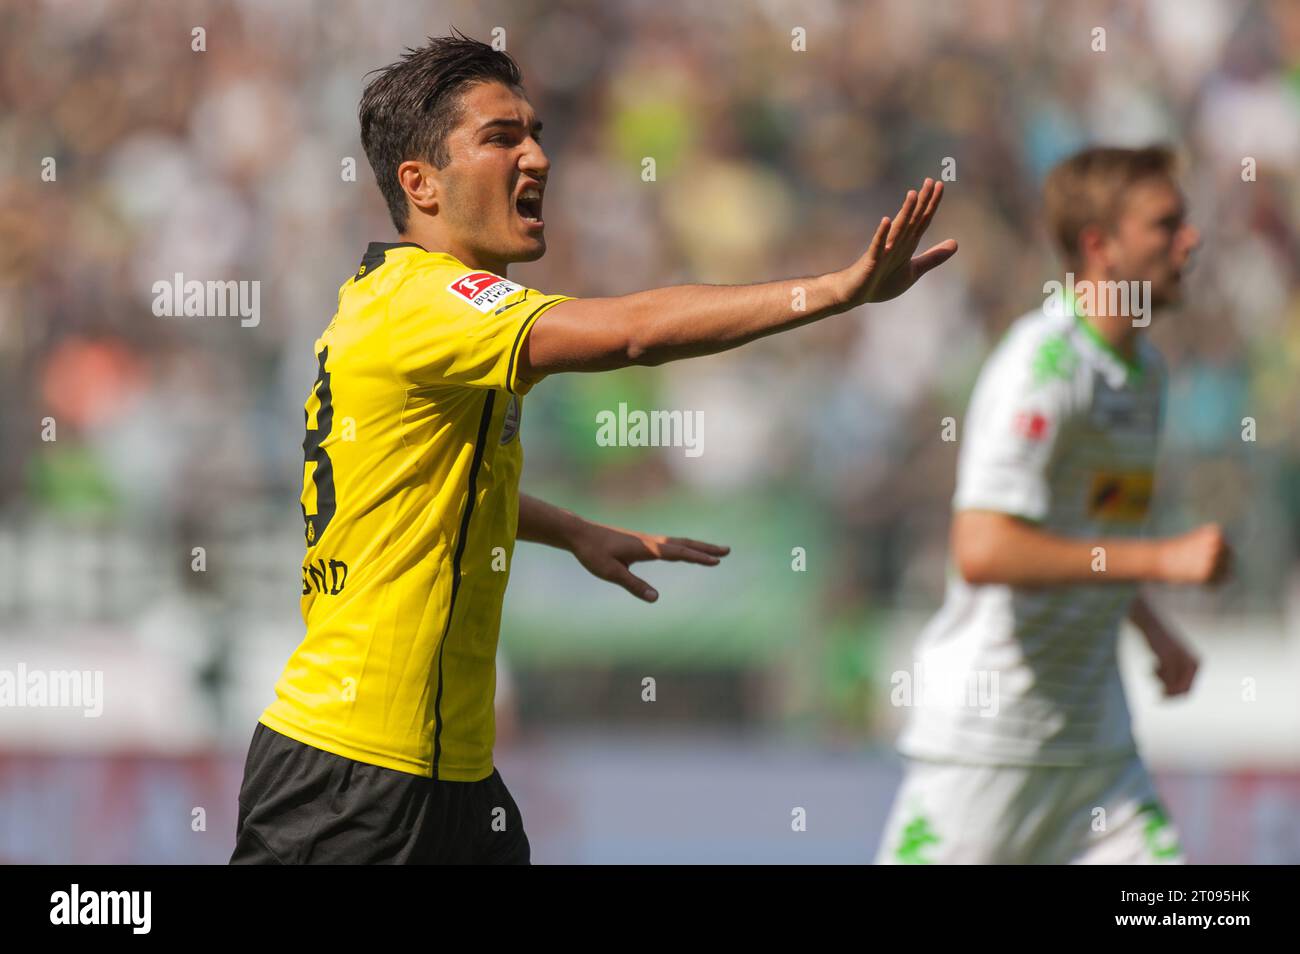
{"x":378,"y":746}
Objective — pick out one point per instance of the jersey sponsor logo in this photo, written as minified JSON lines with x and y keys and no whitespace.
{"x":1121,"y":497}
{"x":482,"y":289}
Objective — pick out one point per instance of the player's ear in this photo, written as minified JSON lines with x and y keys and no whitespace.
{"x":1094,"y":253}
{"x":420,"y":183}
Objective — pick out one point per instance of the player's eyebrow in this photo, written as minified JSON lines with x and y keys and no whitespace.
{"x":511,"y":124}
{"x":1174,"y":217}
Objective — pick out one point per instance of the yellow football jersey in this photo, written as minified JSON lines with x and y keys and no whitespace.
{"x":411,"y":502}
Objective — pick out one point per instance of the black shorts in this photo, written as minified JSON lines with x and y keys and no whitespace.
{"x":302,"y":805}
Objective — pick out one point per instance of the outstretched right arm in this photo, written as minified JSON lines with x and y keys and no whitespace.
{"x":668,"y":324}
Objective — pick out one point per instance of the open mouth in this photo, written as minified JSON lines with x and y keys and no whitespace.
{"x":529,"y":206}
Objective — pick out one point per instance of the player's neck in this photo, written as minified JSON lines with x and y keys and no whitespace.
{"x":1118,"y":331}
{"x":432,"y":240}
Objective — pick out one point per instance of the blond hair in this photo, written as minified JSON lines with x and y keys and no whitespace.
{"x":1088,"y":189}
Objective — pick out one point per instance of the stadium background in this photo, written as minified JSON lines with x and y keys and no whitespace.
{"x":773,"y":685}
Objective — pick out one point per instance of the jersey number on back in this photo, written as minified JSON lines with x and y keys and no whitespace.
{"x":316,"y":460}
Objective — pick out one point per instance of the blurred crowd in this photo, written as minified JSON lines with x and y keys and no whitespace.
{"x":770,"y":160}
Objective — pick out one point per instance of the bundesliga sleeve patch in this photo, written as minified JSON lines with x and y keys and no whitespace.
{"x":1031,"y":425}
{"x":482,"y":289}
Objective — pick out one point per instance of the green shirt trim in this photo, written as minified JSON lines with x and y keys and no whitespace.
{"x":1133,"y":368}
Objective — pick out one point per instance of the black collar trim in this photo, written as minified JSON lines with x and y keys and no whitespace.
{"x":374,"y":256}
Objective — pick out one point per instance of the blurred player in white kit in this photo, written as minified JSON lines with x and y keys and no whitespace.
{"x":1018,"y":743}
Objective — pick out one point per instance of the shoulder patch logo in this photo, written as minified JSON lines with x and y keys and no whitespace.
{"x":1031,"y":425}
{"x":1055,"y":358}
{"x":482,"y":289}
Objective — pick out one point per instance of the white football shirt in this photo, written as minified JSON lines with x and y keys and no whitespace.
{"x":1061,"y":431}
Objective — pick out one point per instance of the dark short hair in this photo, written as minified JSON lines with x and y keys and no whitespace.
{"x":1088,"y":189}
{"x":410,"y":106}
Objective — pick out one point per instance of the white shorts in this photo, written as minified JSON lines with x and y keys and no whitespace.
{"x":946,"y":813}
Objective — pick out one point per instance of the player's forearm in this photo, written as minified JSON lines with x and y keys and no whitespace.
{"x":1142,"y":615}
{"x":668,"y":324}
{"x":683,"y":321}
{"x":995,"y":548}
{"x":540,"y":522}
